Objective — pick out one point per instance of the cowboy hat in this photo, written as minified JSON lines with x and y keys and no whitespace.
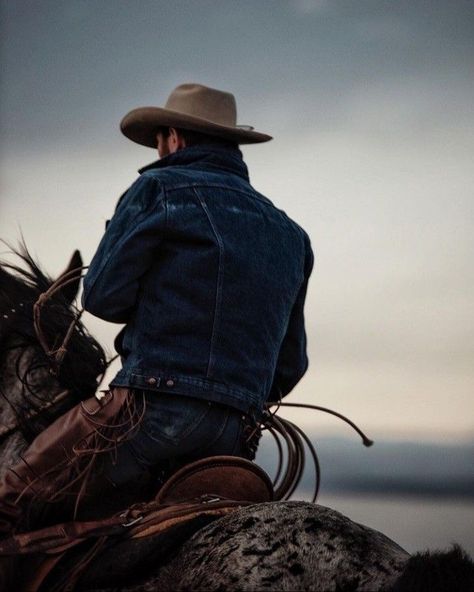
{"x":192,"y":107}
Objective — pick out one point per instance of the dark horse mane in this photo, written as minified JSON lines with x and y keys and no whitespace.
{"x":20,"y":287}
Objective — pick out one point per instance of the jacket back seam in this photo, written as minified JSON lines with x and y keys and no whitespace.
{"x":220,"y":275}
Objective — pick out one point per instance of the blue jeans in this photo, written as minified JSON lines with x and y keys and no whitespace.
{"x":176,"y":430}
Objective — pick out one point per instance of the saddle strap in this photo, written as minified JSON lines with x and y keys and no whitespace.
{"x":159,"y":524}
{"x":143,"y":521}
{"x":60,"y":537}
{"x":161,"y":520}
{"x":137,"y":522}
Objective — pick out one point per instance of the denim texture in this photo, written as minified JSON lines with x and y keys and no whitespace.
{"x":178,"y":433}
{"x":210,"y":279}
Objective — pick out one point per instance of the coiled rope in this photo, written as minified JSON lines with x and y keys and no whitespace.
{"x":292,"y":443}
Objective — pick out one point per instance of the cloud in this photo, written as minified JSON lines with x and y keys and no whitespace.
{"x":305,"y":7}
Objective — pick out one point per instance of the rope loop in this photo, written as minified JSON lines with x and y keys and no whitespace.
{"x":292,"y":443}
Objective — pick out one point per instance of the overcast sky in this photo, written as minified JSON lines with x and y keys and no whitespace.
{"x":371,"y":107}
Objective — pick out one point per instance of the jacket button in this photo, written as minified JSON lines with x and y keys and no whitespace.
{"x":152,"y":381}
{"x":170,"y":382}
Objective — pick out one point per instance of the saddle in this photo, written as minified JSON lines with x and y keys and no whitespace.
{"x":194,"y":496}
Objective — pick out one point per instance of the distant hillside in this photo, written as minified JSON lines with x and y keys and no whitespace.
{"x":397,"y":468}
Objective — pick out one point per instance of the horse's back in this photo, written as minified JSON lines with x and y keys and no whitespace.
{"x":285,"y":546}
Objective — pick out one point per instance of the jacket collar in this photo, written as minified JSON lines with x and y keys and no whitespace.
{"x":205,"y":156}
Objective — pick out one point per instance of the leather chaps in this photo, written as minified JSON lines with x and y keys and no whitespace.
{"x":60,"y":466}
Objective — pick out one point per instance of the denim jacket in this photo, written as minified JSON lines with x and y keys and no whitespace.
{"x":210,"y":280}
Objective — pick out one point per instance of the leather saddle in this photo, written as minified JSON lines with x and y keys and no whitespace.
{"x":225,"y":477}
{"x":195,"y":495}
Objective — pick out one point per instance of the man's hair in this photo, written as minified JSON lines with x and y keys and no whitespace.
{"x":196,"y":138}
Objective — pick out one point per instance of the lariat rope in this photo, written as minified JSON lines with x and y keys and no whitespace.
{"x":291,"y":464}
{"x":291,"y":460}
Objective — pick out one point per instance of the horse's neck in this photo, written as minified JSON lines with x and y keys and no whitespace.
{"x":24,"y":385}
{"x":10,"y":451}
{"x":24,"y":382}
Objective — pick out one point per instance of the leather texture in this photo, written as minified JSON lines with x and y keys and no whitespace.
{"x":228,"y":477}
{"x":48,"y":463}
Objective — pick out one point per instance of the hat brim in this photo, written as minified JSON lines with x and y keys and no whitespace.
{"x":140,"y":125}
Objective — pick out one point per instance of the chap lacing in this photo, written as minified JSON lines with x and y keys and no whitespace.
{"x":72,"y":477}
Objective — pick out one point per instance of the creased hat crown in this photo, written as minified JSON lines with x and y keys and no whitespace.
{"x":204,"y":102}
{"x":193,"y":107}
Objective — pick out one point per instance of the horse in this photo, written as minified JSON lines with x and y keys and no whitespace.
{"x":277,"y":545}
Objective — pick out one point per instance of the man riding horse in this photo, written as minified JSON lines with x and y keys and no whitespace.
{"x":209,"y":279}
